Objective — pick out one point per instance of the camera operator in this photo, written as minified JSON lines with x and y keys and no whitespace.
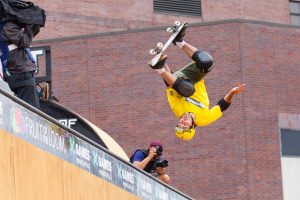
{"x":150,"y":161}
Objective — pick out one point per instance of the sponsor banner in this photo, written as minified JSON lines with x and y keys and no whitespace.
{"x":145,"y":187}
{"x":102,"y":165}
{"x":32,"y":128}
{"x":125,"y":177}
{"x":42,"y":133}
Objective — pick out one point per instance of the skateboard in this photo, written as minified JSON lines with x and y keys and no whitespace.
{"x":160,"y":47}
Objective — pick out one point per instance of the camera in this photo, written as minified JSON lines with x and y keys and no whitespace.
{"x":159,"y":150}
{"x":160,"y":163}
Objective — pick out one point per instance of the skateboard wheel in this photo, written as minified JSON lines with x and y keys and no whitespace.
{"x":152,"y":52}
{"x":177,"y":23}
{"x":169,"y":30}
{"x":159,"y":45}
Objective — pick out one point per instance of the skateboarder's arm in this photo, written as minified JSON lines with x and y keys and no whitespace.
{"x":168,"y":77}
{"x":167,"y":68}
{"x":226,"y":101}
{"x":236,"y":90}
{"x":183,"y":87}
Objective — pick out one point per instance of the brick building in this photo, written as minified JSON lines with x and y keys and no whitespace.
{"x":105,"y":78}
{"x":72,"y":18}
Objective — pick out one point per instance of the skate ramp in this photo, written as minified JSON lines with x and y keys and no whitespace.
{"x":43,"y":159}
{"x":82,"y":125}
{"x":28,"y":172}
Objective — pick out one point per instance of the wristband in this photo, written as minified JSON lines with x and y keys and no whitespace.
{"x":223,"y":104}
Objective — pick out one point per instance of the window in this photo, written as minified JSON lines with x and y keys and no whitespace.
{"x":184,"y":7}
{"x":290,"y":142}
{"x":290,"y":163}
{"x":295,"y":12}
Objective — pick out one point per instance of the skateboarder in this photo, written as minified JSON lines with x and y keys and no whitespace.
{"x":186,"y":90}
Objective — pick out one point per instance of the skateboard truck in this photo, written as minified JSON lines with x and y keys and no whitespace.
{"x":157,"y":49}
{"x":173,"y":28}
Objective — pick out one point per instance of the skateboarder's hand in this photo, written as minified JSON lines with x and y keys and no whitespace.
{"x":161,"y":62}
{"x":240,"y":88}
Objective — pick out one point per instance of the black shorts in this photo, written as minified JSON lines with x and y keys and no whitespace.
{"x":190,"y":72}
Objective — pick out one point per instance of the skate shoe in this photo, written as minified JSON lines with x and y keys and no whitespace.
{"x":160,"y":63}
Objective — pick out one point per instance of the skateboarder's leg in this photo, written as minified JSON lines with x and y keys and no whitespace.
{"x":202,"y":62}
{"x":188,"y":49}
{"x":190,"y":72}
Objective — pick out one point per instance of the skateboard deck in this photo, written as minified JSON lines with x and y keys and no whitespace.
{"x":161,"y":48}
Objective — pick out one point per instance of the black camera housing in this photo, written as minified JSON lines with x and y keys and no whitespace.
{"x":159,"y":150}
{"x":160,"y":163}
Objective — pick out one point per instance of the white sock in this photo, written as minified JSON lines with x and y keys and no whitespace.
{"x":180,"y":44}
{"x":160,"y":71}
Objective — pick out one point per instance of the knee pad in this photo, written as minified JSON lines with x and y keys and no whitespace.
{"x":204,"y":61}
{"x":184,"y":87}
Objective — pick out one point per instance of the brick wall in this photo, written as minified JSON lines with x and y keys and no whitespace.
{"x":70,"y":18}
{"x":106,"y":79}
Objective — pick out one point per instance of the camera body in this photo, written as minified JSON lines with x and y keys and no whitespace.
{"x":159,"y":162}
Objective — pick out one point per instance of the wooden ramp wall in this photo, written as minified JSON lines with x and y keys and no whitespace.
{"x":27,"y":172}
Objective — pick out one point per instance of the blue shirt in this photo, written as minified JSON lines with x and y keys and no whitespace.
{"x":138,"y":155}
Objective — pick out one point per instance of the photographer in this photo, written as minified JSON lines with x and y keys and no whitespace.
{"x":150,"y":161}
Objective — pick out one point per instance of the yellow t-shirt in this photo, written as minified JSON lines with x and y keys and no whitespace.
{"x":198,"y":104}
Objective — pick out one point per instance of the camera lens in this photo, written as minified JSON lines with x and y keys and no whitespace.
{"x":159,"y":150}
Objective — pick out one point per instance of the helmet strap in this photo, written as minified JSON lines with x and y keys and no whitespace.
{"x":193,"y":124}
